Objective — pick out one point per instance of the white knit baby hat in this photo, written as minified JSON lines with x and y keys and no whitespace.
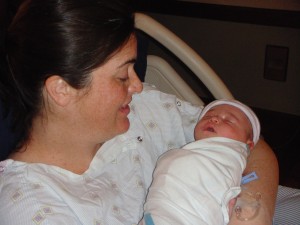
{"x":244,"y":108}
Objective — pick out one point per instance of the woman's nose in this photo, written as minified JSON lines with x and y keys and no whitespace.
{"x":135,"y":85}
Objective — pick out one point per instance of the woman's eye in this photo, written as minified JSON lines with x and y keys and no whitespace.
{"x":123,"y":79}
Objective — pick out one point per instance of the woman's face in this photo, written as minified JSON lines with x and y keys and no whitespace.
{"x":103,"y":108}
{"x":224,"y":121}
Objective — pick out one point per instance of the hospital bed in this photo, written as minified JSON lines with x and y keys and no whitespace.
{"x":164,"y":77}
{"x":161,"y":74}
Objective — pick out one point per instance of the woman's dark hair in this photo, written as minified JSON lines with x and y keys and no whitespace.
{"x":69,"y":38}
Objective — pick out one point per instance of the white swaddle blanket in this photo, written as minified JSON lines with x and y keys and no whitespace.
{"x":193,"y":185}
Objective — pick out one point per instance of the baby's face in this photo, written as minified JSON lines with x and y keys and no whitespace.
{"x":225,"y":121}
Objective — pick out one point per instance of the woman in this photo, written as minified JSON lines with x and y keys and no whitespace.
{"x":89,"y":141}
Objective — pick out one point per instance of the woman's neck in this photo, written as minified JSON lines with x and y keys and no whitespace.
{"x":57,"y":147}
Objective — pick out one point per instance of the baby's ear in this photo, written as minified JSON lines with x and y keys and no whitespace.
{"x":250,"y":143}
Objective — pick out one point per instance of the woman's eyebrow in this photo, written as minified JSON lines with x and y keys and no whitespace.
{"x":130,"y":61}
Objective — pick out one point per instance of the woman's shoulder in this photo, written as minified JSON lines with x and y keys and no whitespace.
{"x":166,"y":113}
{"x":163,"y":104}
{"x":20,"y":174}
{"x":11,"y":167}
{"x":28,"y":195}
{"x":12,"y":185}
{"x":13,"y":175}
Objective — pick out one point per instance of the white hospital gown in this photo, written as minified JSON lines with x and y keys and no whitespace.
{"x":194,"y":185}
{"x":112,"y":191}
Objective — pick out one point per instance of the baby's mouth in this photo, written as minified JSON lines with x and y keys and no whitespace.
{"x":210,"y":129}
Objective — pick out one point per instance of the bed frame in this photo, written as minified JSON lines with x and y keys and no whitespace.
{"x":164,"y":77}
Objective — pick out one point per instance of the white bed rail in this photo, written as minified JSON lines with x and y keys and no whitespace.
{"x":165,"y":78}
{"x":185,"y":53}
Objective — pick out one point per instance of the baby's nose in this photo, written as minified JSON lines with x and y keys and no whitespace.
{"x":214,"y":119}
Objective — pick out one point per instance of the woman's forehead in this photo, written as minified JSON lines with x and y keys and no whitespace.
{"x":127,"y":53}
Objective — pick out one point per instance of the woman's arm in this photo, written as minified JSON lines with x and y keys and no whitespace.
{"x":263,"y":162}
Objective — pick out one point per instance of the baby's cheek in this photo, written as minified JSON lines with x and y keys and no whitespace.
{"x":231,"y":206}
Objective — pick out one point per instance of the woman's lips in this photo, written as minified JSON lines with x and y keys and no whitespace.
{"x":125,"y":109}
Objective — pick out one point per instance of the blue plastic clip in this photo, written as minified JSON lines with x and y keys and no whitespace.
{"x":249,"y":177}
{"x":148,"y":219}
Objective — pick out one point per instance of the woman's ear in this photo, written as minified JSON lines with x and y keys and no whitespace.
{"x":59,"y":90}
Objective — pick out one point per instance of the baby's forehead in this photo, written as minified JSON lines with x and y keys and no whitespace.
{"x":229,"y":110}
{"x":226,"y":108}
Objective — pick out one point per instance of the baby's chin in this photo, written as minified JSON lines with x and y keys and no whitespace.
{"x":205,"y":134}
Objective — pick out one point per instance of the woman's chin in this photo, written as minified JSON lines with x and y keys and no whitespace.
{"x":124,"y":126}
